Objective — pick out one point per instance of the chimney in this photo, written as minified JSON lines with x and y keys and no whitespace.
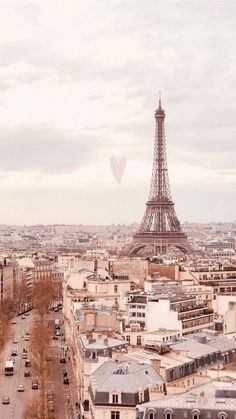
{"x":95,"y":265}
{"x":110,"y":267}
{"x":156,"y":364}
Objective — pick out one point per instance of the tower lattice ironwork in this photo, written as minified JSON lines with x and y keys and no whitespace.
{"x":160,"y":227}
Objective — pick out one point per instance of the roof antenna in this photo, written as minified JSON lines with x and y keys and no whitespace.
{"x":159,"y":100}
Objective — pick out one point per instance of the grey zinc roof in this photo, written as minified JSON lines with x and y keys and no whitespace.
{"x":202,"y":397}
{"x":194,"y":349}
{"x":124,"y":377}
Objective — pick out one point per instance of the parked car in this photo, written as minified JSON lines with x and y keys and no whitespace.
{"x":26,"y":338}
{"x":56,"y":309}
{"x":23,"y":317}
{"x":24,"y":355}
{"x":62,"y":360}
{"x":27,"y":374}
{"x":14,"y":352}
{"x":20,"y":387}
{"x":15,"y":340}
{"x":55,"y":337}
{"x":27,"y":363}
{"x":50,"y":406}
{"x":35,"y":384}
{"x":49,"y":394}
{"x":13,"y":322}
{"x":66,"y":380}
{"x":58,"y":333}
{"x":6,"y":400}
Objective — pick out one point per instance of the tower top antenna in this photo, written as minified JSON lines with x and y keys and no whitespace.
{"x":159,"y":94}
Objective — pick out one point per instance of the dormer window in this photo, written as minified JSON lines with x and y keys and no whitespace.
{"x":151,"y":414}
{"x":168,"y":413}
{"x":115,"y":398}
{"x":222,"y":415}
{"x":195,"y":414}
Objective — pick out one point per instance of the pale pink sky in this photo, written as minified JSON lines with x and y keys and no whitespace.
{"x":79,"y":82}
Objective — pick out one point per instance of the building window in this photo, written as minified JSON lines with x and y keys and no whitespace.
{"x":115,"y":288}
{"x":195,"y":414}
{"x":139,"y":340}
{"x":222,"y":415}
{"x":115,"y":415}
{"x":168,"y":413}
{"x":115,"y":398}
{"x":151,"y":415}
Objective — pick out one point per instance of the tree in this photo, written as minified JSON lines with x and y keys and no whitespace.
{"x":5,"y":325}
{"x":21,"y":297}
{"x":5,"y":330}
{"x":39,"y":342}
{"x":43,"y":296}
{"x":32,"y":409}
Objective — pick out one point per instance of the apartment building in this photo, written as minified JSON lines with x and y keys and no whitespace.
{"x":116,"y":388}
{"x":92,"y":350}
{"x":9,"y":275}
{"x":220,"y":278}
{"x":186,"y":362}
{"x":214,"y":400}
{"x":175,"y":312}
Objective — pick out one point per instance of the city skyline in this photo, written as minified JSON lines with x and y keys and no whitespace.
{"x":79,"y":85}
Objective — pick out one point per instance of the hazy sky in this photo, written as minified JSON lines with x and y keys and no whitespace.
{"x":79,"y":83}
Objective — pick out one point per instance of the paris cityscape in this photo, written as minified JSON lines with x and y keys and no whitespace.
{"x":117,"y":215}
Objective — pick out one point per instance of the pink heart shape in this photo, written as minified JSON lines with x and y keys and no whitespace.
{"x":118,"y":167}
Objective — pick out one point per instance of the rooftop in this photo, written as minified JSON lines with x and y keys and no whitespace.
{"x":126,"y":377}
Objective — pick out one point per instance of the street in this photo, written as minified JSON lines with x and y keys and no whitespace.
{"x":63,"y":401}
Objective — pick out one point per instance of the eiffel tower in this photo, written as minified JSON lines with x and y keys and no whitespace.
{"x":160,"y":227}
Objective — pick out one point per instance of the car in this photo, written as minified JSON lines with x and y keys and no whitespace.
{"x":50,"y":406}
{"x":23,"y":317}
{"x":24,"y":355}
{"x":66,"y":380}
{"x":26,"y":338}
{"x":58,"y":333}
{"x":14,"y":352}
{"x":20,"y":387}
{"x":27,"y":314}
{"x":13,"y":322}
{"x":35,"y":384}
{"x":27,"y":333}
{"x":49,"y":394}
{"x":27,"y":374}
{"x":27,"y":363}
{"x":6,"y":400}
{"x":15,"y":340}
{"x":56,"y":309}
{"x":62,"y":360}
{"x":25,"y":350}
{"x":55,"y":337}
